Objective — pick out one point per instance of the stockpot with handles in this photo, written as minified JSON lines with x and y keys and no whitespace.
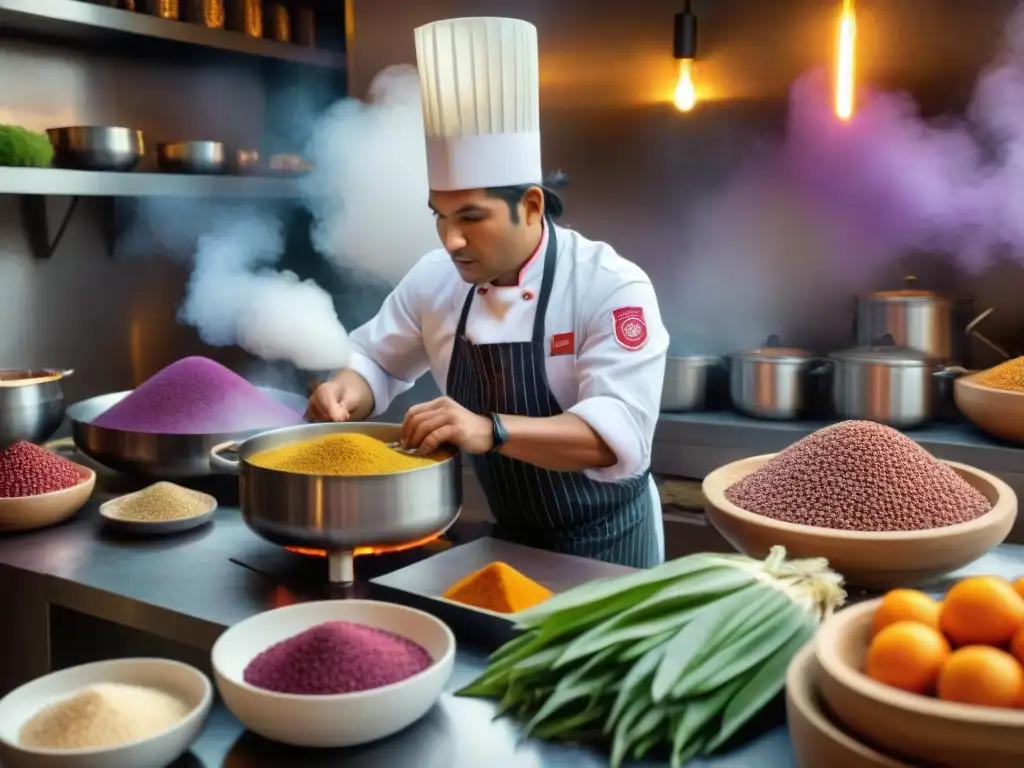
{"x":773,"y":381}
{"x":887,"y":384}
{"x":341,"y":512}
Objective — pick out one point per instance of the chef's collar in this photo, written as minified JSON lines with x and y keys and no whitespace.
{"x":533,"y":265}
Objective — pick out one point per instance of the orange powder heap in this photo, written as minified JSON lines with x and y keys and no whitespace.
{"x":498,"y":587}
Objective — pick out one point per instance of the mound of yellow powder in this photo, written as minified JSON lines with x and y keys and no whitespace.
{"x":343,"y":454}
{"x":498,"y":587}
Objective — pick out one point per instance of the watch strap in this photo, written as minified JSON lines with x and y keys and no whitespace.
{"x":498,"y":433}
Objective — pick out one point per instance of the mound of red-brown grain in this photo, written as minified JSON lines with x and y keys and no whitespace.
{"x":859,"y":476}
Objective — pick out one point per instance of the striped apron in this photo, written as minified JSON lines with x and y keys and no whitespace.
{"x":563,"y":512}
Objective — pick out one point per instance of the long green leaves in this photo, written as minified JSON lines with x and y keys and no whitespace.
{"x":676,"y":659}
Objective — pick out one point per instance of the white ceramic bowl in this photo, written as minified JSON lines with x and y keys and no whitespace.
{"x":340,"y":720}
{"x":22,"y":704}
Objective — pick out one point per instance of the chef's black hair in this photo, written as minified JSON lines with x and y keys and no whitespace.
{"x":513,"y":196}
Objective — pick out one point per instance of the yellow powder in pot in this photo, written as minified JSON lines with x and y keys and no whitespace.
{"x":1008,"y":376}
{"x":347,"y":453}
{"x":498,"y":587}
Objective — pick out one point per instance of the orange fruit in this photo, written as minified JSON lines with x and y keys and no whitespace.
{"x":907,"y":655}
{"x":1018,"y":585}
{"x":1017,"y":645}
{"x":982,"y":675}
{"x":981,"y":610}
{"x":906,"y":605}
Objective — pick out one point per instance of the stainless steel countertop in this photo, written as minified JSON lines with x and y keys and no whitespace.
{"x":186,"y":589}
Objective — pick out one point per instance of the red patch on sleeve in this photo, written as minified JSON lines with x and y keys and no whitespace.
{"x":630,"y":328}
{"x":563,"y":344}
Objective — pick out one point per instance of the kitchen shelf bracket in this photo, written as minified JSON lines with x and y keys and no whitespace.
{"x":38,"y":222}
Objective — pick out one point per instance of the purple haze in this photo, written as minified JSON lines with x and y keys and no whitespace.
{"x":911,"y":183}
{"x":196,"y":396}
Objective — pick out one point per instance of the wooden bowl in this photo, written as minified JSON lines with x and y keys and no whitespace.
{"x":919,"y":729}
{"x":23,"y":513}
{"x":866,"y":559}
{"x":998,"y":412}
{"x":817,"y":741}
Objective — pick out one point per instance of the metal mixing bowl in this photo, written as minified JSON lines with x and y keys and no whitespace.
{"x":343,"y":512}
{"x":192,"y":157}
{"x":31,"y":404}
{"x":96,"y":147}
{"x":152,"y":455}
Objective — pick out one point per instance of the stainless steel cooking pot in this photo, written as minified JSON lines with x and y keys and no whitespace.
{"x":916,"y":319}
{"x":888,"y":384}
{"x":341,"y":513}
{"x":153,"y":455}
{"x":773,"y":381}
{"x":31,"y":404}
{"x":692,"y":383}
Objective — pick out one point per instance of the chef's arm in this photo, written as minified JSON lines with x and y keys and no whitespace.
{"x":563,"y":443}
{"x":620,"y":374}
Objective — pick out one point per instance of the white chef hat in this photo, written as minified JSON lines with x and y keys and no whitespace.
{"x":481,"y":102}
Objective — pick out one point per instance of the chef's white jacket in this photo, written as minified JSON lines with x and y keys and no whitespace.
{"x":615,"y":389}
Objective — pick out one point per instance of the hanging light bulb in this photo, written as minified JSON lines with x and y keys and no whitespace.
{"x":846,"y":44}
{"x":684,"y":48}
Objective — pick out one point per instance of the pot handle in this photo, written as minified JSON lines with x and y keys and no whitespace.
{"x":951,"y":372}
{"x":222,"y":464}
{"x":821,"y":367}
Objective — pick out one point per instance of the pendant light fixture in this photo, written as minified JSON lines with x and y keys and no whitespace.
{"x":684,"y":49}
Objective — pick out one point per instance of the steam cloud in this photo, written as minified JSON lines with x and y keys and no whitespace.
{"x":840,"y":205}
{"x":368,"y":198}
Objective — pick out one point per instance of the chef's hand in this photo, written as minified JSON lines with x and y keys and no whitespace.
{"x":332,"y":401}
{"x":428,"y":425}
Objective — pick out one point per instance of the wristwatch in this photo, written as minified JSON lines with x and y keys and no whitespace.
{"x":498,"y":433}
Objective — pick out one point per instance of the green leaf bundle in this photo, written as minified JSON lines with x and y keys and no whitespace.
{"x":678,"y":657}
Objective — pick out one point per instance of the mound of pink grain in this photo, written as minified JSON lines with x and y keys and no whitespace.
{"x":196,"y":396}
{"x":859,"y":476}
{"x":336,"y":657}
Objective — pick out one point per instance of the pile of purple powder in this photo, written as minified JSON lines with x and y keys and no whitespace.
{"x":196,"y":396}
{"x":336,"y":657}
{"x":859,"y":476}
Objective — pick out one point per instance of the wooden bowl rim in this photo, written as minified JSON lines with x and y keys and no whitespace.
{"x":714,"y":492}
{"x":800,"y":690}
{"x":862,"y":685}
{"x":88,"y":479}
{"x":969,"y":382}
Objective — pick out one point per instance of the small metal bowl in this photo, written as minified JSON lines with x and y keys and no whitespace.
{"x":207,"y":157}
{"x":246,"y":161}
{"x":96,"y":147}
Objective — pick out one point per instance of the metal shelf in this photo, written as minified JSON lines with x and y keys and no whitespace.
{"x":83,"y":22}
{"x":54,"y":181}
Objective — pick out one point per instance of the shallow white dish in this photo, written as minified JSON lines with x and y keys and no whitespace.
{"x":22,"y":704}
{"x":108,"y":510}
{"x":340,"y":720}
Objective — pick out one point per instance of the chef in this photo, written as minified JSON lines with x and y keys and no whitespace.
{"x":549,"y":347}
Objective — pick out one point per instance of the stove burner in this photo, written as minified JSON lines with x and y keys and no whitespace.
{"x":341,"y":562}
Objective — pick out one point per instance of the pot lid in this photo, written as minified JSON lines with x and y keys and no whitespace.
{"x":884,"y":354}
{"x":774,"y":350}
{"x":776,"y":353}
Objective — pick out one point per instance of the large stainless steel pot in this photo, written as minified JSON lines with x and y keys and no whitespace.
{"x":922,"y":320}
{"x":772,"y":382}
{"x":692,"y":383}
{"x":31,"y":404}
{"x":338,"y":513}
{"x":152,"y":455}
{"x":887,"y":384}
